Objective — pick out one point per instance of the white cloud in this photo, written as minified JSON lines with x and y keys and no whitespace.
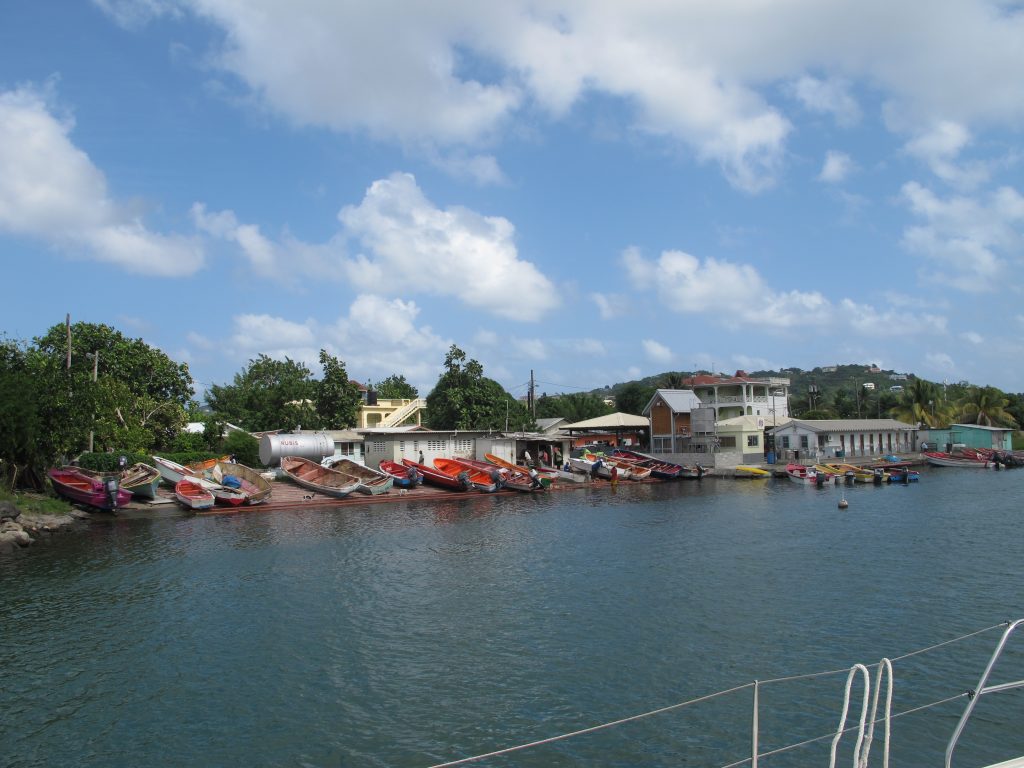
{"x":939,"y":148}
{"x":836,"y":168}
{"x":51,"y":191}
{"x":734,"y":294}
{"x":609,"y":306}
{"x":656,"y":352}
{"x":701,"y":75}
{"x":590,"y":347}
{"x":962,"y":238}
{"x":973,"y":337}
{"x":829,"y":97}
{"x":471,"y":257}
{"x":532,"y":349}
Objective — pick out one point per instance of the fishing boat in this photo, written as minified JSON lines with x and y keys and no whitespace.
{"x":521,"y":479}
{"x":437,"y":478}
{"x":627,"y":468}
{"x":799,"y":473}
{"x":742,"y":470}
{"x":903,"y":475}
{"x":370,"y":480}
{"x":941,"y":459}
{"x":314,"y":477}
{"x":547,"y":476}
{"x":172,"y":471}
{"x":664,"y":470}
{"x":253,"y":484}
{"x":478,"y":478}
{"x":859,"y":474}
{"x":403,"y":476}
{"x":96,"y":491}
{"x":192,"y":495}
{"x":199,"y":467}
{"x":141,"y":480}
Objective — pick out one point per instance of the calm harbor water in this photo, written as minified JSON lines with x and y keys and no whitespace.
{"x":409,"y":634}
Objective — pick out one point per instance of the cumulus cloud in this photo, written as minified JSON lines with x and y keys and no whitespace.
{"x":733,"y":293}
{"x":736,"y":295}
{"x":656,"y":352}
{"x":829,"y":97}
{"x":399,"y":343}
{"x":609,"y":306}
{"x":965,"y":240}
{"x":973,"y":337}
{"x":700,"y":75}
{"x":939,"y":148}
{"x":472,"y":257}
{"x":836,"y":168}
{"x":287,"y":259}
{"x":51,"y":191}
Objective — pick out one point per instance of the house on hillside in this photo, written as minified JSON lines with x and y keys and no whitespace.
{"x":742,"y":395}
{"x":809,"y":441}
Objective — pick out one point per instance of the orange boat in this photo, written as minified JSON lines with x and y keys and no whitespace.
{"x":480,"y":479}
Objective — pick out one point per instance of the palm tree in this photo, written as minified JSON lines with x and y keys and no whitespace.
{"x":985,"y":406}
{"x":922,"y":403}
{"x":672,"y":380}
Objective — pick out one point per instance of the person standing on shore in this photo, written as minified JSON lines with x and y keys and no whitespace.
{"x":421,"y":457}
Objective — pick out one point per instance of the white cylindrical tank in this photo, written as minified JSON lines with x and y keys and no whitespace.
{"x":312,"y":446}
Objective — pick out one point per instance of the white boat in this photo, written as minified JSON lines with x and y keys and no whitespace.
{"x":939,"y":459}
{"x":798,"y":473}
{"x":191,"y":495}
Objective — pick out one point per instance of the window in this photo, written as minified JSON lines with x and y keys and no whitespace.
{"x":803,"y":442}
{"x":753,"y":441}
{"x":727,"y":442}
{"x":785,"y":442}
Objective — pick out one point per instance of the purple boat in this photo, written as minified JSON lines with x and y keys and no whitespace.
{"x":101,"y":493}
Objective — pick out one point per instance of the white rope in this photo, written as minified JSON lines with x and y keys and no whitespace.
{"x":886,"y":666}
{"x":863,"y":746}
{"x":846,"y":707}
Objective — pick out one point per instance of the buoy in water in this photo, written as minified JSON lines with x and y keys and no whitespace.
{"x":843,"y":503}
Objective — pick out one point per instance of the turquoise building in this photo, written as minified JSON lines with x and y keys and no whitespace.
{"x":969,"y":436}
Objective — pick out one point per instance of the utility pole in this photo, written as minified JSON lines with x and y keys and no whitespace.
{"x":67,"y":324}
{"x":95,"y":371}
{"x":533,"y":400}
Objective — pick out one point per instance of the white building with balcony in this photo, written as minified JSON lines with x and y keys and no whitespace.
{"x":742,"y":395}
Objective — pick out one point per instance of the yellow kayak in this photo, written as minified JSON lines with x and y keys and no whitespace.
{"x":744,"y":471}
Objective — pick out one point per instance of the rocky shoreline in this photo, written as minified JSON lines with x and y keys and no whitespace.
{"x":20,"y":529}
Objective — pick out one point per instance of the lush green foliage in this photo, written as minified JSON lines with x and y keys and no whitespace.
{"x":922,"y":402}
{"x":244,"y":447}
{"x":268,"y":394}
{"x":337,"y":398}
{"x":464,"y":399}
{"x":986,"y":406}
{"x":111,"y":461}
{"x":395,"y":387}
{"x":633,"y":398}
{"x":573,"y":407}
{"x":32,"y":502}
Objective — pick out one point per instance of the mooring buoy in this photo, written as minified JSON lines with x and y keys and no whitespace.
{"x":843,"y":503}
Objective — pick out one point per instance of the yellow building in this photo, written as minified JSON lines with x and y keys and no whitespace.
{"x":392,"y":413}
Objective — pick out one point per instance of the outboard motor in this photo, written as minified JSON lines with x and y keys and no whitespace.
{"x":110,"y":485}
{"x":463,"y":477}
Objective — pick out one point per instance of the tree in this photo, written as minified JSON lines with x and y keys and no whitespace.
{"x":464,"y":399}
{"x":987,"y":406}
{"x":268,"y":394}
{"x":395,"y":387}
{"x":138,"y":398}
{"x":672,"y":380}
{"x":633,"y":397}
{"x":337,"y":398}
{"x":922,"y":403}
{"x":573,"y":407}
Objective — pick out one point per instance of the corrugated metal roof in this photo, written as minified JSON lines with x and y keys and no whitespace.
{"x":751,"y":422}
{"x":850,"y":425}
{"x":679,"y":400}
{"x":611,"y":421}
{"x":981,"y":426}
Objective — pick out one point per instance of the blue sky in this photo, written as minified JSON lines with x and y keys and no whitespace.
{"x":594,"y":191}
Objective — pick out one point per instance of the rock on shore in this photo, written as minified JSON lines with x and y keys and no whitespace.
{"x":21,"y":529}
